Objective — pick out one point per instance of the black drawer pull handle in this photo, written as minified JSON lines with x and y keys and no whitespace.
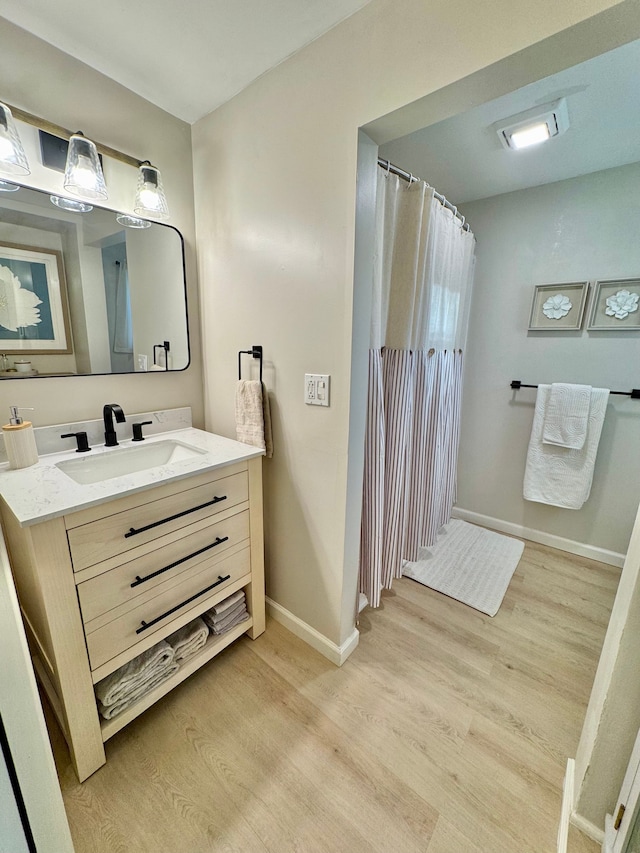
{"x":133,"y":530}
{"x":144,"y":625}
{"x":139,"y":580}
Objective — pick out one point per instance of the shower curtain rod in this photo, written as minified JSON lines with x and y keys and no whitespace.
{"x":407,"y":176}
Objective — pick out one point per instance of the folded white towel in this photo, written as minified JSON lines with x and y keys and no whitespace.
{"x":188,"y":640}
{"x":227,"y":603}
{"x":566,"y":415}
{"x":128,"y":678}
{"x":250,"y":413}
{"x":561,"y":476}
{"x":109,"y":711}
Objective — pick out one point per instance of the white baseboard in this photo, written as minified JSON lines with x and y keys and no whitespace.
{"x":567,"y":806}
{"x":336,"y":654}
{"x":587,"y":827}
{"x":611,"y":558}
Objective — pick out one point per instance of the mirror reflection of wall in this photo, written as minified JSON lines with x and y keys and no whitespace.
{"x":84,"y":294}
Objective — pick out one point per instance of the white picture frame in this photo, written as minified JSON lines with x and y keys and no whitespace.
{"x":609,"y":314}
{"x":558,"y":307}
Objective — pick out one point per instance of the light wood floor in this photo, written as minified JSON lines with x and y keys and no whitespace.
{"x":445,"y":732}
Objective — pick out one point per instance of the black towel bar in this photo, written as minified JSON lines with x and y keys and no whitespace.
{"x":256,"y":352}
{"x":634,"y":393}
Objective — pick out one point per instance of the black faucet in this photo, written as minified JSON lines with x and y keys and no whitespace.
{"x":109,"y":410}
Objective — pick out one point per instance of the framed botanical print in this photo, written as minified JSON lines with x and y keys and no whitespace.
{"x":34,"y":315}
{"x":558,"y":307}
{"x":615,"y":306}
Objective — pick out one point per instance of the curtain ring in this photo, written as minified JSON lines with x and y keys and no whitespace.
{"x":410,"y":178}
{"x":388,"y":167}
{"x":431,"y":352}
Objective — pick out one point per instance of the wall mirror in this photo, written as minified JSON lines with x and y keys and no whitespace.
{"x":81,"y":294}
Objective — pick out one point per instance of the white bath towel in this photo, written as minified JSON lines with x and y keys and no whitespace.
{"x":566,"y":415}
{"x":129,"y":678}
{"x":109,"y":711}
{"x":561,"y":476}
{"x":188,"y":640}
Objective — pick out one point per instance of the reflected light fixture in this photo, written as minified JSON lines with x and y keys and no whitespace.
{"x":13,"y":160}
{"x":533,"y":126}
{"x":71,"y":204}
{"x":83,"y":172}
{"x":7,"y":187}
{"x":150,"y":198}
{"x":132,"y":221}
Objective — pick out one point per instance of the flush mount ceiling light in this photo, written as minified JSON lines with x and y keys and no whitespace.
{"x":533,"y":126}
{"x":13,"y":160}
{"x":150,"y":198}
{"x":83,"y":172}
{"x":132,"y":221}
{"x":71,"y":204}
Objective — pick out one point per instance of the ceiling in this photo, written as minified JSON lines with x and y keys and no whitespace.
{"x":189,"y":57}
{"x":463,"y":158}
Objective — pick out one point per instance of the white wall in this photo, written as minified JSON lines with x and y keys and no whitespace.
{"x":275,"y":204}
{"x":46,"y":82}
{"x":576,"y":230}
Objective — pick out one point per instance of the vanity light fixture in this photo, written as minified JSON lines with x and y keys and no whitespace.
{"x":150,"y":198}
{"x":71,"y":204}
{"x":533,"y":126}
{"x":132,"y":221}
{"x":7,"y":187}
{"x":83,"y":172}
{"x":13,"y":160}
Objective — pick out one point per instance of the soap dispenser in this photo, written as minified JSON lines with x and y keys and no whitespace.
{"x":19,"y":441}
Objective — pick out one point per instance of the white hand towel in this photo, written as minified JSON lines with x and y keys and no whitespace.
{"x":109,"y":711}
{"x":566,"y":415}
{"x":561,"y":476}
{"x":250,"y":413}
{"x":188,"y":640}
{"x":128,"y":678}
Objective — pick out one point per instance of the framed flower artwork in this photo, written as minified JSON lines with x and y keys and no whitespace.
{"x":34,"y":317}
{"x":558,"y":307}
{"x":616,"y":306}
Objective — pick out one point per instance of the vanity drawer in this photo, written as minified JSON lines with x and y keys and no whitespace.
{"x":115,"y":534}
{"x":157,"y":613}
{"x":142,"y":576}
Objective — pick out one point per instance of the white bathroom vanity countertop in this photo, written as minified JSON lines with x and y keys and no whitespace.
{"x":43,"y":491}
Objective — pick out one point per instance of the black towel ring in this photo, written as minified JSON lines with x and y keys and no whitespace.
{"x":255,"y":352}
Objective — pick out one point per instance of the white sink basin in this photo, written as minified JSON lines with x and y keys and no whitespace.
{"x":127,"y":460}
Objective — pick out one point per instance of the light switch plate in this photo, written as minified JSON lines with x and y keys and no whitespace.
{"x":142,"y":362}
{"x":316,"y":389}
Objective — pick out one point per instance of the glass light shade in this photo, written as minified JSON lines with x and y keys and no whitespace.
{"x":13,"y":160}
{"x":83,"y":173}
{"x":71,"y":204}
{"x":132,"y":221}
{"x":7,"y":187}
{"x":150,"y":198}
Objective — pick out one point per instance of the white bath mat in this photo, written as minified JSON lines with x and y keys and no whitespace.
{"x":468,"y":563}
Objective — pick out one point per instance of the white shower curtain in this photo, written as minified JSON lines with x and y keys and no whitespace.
{"x":423,"y":274}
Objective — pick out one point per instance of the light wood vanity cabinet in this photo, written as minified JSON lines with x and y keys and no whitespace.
{"x":99,"y":586}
